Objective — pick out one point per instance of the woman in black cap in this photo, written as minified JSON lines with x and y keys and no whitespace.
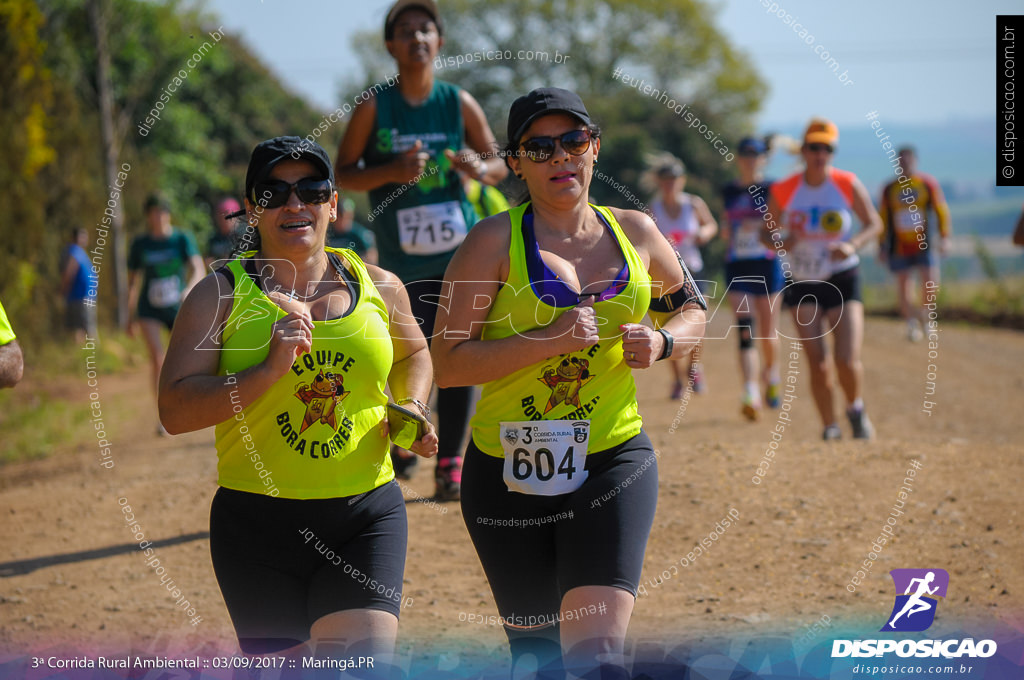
{"x":296,"y":343}
{"x":544,"y":309}
{"x":405,"y":145}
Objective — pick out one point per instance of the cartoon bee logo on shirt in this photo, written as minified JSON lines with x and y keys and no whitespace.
{"x":565,"y":381}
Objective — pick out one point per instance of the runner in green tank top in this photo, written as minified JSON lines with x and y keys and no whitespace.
{"x":163,"y":266}
{"x":287,"y":350}
{"x":405,"y":144}
{"x":560,"y":481}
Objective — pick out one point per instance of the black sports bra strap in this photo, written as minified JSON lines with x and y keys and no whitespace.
{"x":349,"y":280}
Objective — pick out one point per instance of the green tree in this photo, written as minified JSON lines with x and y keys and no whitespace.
{"x":53,"y":156}
{"x":26,"y":147}
{"x":672,"y":45}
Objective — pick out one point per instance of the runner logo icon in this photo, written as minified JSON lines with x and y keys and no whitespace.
{"x":917,"y":591}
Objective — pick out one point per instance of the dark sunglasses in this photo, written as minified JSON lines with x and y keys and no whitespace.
{"x":275,"y":193}
{"x":539,"y":149}
{"x":819,"y":147}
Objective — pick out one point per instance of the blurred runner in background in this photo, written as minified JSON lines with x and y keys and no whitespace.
{"x":163,"y":266}
{"x":345,"y":232}
{"x":485,"y":199}
{"x":817,"y":206}
{"x":687,"y":223}
{"x":404,"y":144}
{"x":753,"y":276}
{"x":222,"y":241}
{"x":908,"y":240}
{"x":78,"y":287}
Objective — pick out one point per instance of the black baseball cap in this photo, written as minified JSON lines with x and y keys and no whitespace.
{"x":541,"y":102}
{"x":269,"y":153}
{"x":428,"y":6}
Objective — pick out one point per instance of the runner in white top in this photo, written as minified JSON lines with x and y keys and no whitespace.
{"x":817,"y":207}
{"x":687,"y":223}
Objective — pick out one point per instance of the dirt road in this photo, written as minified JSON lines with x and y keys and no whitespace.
{"x":71,"y":574}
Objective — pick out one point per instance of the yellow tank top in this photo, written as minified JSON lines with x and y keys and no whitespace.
{"x":315,"y":433}
{"x":593,"y":384}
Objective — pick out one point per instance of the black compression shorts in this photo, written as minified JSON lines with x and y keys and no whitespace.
{"x":283,"y":563}
{"x":534,"y":549}
{"x":842,"y":287}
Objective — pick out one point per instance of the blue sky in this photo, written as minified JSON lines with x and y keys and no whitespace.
{"x":913,"y":62}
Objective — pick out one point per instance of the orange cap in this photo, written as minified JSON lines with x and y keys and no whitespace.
{"x":821,"y":131}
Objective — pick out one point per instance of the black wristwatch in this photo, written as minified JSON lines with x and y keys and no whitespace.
{"x":669,"y":343}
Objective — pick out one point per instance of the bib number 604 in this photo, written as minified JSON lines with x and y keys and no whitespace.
{"x":540,"y":464}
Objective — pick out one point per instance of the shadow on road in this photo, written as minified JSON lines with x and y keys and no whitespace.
{"x":20,"y":567}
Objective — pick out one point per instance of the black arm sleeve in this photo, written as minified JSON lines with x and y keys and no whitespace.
{"x":688,"y":292}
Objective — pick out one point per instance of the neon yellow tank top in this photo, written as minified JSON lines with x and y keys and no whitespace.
{"x":593,"y":384}
{"x":315,"y":433}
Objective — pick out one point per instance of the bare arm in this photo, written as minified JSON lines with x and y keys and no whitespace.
{"x":134,"y":284}
{"x":708,"y":225}
{"x":1018,"y":231}
{"x":868,"y":216}
{"x":196,"y":272}
{"x":68,"y":275}
{"x":471,"y":284}
{"x":191,"y":395}
{"x":481,"y":160}
{"x":687,"y":324}
{"x":411,"y":371}
{"x":12,"y":364}
{"x":886,"y":218}
{"x":404,"y":168}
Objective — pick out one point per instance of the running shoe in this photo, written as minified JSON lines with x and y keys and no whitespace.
{"x":448,"y":479}
{"x":751,"y":408}
{"x":773,"y":395}
{"x":914,"y":332}
{"x":861,"y":425}
{"x":404,"y":462}
{"x":696,"y":378}
{"x":677,"y":391}
{"x":832,"y":432}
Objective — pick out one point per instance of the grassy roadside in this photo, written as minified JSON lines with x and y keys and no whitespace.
{"x":48,"y":411}
{"x":998,"y":303}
